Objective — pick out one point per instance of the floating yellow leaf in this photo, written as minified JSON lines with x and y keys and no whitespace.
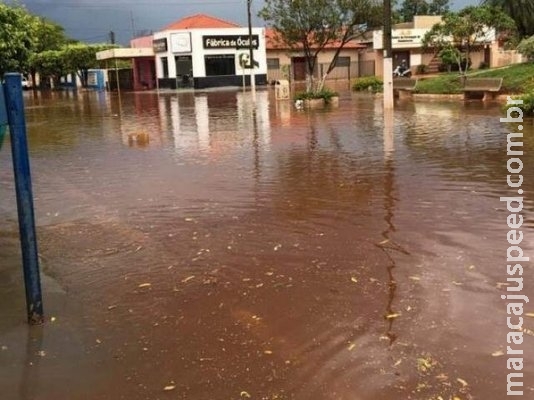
{"x":185,"y":280}
{"x":267,"y":352}
{"x":498,"y":353}
{"x":462,"y":382}
{"x":352,"y":346}
{"x":245,"y":394}
{"x":391,"y":316}
{"x":169,"y":387}
{"x":415,"y":278}
{"x":529,"y":314}
{"x":144,"y":285}
{"x":353,"y":279}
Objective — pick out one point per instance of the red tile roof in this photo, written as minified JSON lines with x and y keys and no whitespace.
{"x":200,"y":21}
{"x":274,"y":43}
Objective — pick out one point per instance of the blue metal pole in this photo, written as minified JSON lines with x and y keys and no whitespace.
{"x":23,"y":186}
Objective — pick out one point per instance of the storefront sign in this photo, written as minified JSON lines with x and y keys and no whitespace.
{"x":406,"y":36}
{"x":159,"y":45}
{"x":181,"y":42}
{"x":230,"y":42}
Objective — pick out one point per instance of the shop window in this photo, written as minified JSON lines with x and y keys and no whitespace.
{"x":220,"y":65}
{"x":165,"y":67}
{"x":273,"y":63}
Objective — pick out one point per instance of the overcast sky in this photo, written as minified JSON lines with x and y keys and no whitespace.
{"x":91,"y":20}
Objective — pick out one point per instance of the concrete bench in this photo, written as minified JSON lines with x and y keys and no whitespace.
{"x":481,"y":88}
{"x":404,"y":87}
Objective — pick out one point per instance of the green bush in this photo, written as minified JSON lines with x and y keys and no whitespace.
{"x":528,"y":104}
{"x":420,"y":69}
{"x":325,"y":94}
{"x":368,"y":83}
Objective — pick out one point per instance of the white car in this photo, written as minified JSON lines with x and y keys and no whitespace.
{"x":25,"y":83}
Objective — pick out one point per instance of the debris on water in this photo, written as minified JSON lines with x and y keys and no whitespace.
{"x":268,"y":352}
{"x":351,"y":347}
{"x":354,"y":279}
{"x":4,"y":347}
{"x":185,"y":280}
{"x":462,"y":382}
{"x":277,"y":247}
{"x":498,"y":353}
{"x":245,"y":395}
{"x":52,"y":319}
{"x":392,"y":316}
{"x":144,"y":285}
{"x":111,"y":307}
{"x":169,"y":387}
{"x":425,"y":364}
{"x":415,"y":278}
{"x":41,"y":353}
{"x":529,"y":314}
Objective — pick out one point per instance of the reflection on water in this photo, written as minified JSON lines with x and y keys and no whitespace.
{"x":196,"y":241}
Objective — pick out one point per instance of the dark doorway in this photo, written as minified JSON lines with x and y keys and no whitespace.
{"x":184,"y":71}
{"x":299,"y":68}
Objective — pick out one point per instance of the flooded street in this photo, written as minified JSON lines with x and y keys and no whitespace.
{"x":276,"y":254}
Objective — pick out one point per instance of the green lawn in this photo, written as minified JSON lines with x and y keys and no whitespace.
{"x":517,"y":79}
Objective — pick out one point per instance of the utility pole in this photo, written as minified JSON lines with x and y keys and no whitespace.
{"x":112,"y":37}
{"x":132,"y":24}
{"x":388,"y":58}
{"x":250,"y":46}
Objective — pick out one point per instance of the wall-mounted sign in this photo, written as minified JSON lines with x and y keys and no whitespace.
{"x":406,"y":36}
{"x":159,"y":45}
{"x":229,"y":41}
{"x":181,"y":42}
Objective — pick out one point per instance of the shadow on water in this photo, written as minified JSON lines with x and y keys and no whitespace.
{"x":259,"y":251}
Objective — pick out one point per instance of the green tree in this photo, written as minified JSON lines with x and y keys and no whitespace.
{"x":409,"y":8}
{"x":439,"y":7}
{"x":49,"y":64}
{"x":308,"y":26}
{"x":79,"y":58}
{"x":15,"y":42}
{"x":521,"y":11}
{"x":48,"y":36}
{"x":526,"y":47}
{"x":466,"y":28}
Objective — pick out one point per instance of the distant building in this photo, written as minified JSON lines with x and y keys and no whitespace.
{"x":287,"y":62}
{"x":202,"y":51}
{"x":407,"y":44}
{"x":199,"y":51}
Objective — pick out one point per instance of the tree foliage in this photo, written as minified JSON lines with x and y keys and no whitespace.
{"x":15,"y":42}
{"x":309,"y":26}
{"x":526,"y":47}
{"x":466,"y":28}
{"x":23,"y":36}
{"x":409,"y":8}
{"x":521,"y":11}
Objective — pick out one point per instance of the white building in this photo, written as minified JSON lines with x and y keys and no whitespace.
{"x":202,"y":51}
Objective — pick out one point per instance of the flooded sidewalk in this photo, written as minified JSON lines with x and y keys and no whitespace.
{"x":195,"y":248}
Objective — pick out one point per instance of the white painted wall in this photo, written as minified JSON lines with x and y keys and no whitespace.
{"x":198,"y":51}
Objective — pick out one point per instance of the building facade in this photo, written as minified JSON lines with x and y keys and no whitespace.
{"x":202,"y":52}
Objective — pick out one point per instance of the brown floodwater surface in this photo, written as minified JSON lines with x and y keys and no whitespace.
{"x":195,"y":247}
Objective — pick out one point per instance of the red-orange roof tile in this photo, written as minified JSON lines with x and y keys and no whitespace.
{"x":272,"y":42}
{"x":200,"y":21}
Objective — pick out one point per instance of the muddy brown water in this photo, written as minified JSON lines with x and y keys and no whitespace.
{"x":276,"y":254}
